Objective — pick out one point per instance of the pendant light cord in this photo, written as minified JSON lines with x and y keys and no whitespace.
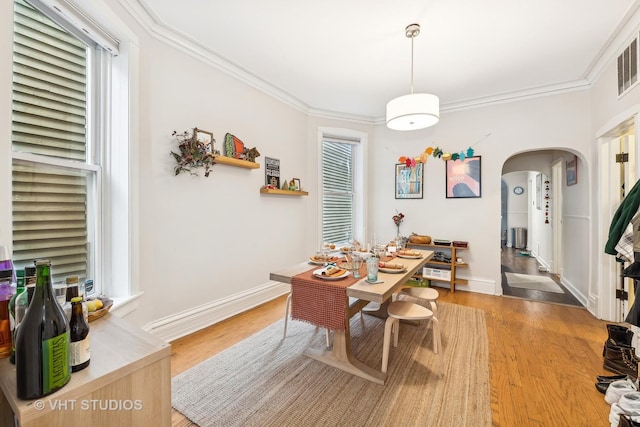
{"x":412,"y":37}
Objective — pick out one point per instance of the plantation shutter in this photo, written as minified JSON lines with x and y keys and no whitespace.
{"x":337,"y":190}
{"x":49,"y":119}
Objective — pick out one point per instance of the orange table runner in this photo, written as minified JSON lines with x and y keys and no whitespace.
{"x":322,"y":302}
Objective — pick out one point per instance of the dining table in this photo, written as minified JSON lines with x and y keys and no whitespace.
{"x":331,"y":304}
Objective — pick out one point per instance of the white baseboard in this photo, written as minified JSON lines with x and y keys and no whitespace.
{"x":575,"y":292}
{"x":192,"y":320}
{"x":474,"y":285}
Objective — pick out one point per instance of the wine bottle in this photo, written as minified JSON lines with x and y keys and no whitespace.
{"x":42,"y":341}
{"x":80,"y":350}
{"x":12,"y":312}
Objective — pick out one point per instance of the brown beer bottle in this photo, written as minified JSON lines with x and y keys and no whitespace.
{"x":80,"y":345}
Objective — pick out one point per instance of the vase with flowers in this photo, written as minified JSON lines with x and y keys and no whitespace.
{"x":397,"y":220}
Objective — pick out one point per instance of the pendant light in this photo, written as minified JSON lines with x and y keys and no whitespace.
{"x":416,"y":110}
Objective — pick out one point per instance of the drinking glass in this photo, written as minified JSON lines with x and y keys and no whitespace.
{"x":372,"y":268}
{"x":356,"y":263}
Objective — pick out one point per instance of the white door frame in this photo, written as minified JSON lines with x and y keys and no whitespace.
{"x":557,"y":174}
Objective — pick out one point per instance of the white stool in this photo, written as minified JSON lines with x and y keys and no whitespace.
{"x":428,"y":294}
{"x":286,"y":319}
{"x":405,"y":310}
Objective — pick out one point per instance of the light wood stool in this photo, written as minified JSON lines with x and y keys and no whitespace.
{"x":428,"y":294}
{"x":405,"y":310}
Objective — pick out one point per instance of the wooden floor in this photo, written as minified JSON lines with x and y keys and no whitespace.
{"x":543,"y":357}
{"x":512,"y":260}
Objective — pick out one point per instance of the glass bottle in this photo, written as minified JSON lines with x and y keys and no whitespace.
{"x":6,"y":292}
{"x":80,"y":350}
{"x":42,"y":341}
{"x":12,"y":312}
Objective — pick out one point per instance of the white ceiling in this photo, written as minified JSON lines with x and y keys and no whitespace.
{"x":352,"y":56}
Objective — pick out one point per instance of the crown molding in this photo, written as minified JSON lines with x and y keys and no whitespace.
{"x":159,"y":30}
{"x":626,"y":30}
{"x":163,"y":32}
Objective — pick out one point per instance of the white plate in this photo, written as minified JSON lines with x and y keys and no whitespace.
{"x":409,"y":256}
{"x":317,"y":262}
{"x":318,"y":274}
{"x":392,"y":270}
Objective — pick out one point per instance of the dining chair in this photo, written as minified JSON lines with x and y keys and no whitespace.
{"x":429,"y":295}
{"x":405,"y":310}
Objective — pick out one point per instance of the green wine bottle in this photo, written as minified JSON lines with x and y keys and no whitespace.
{"x":42,"y":341}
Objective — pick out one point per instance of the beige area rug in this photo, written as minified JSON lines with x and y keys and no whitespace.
{"x":265,"y":380}
{"x":530,"y":281}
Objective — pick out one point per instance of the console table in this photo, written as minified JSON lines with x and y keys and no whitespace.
{"x":128,"y":382}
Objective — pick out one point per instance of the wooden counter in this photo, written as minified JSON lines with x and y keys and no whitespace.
{"x":128,"y":382}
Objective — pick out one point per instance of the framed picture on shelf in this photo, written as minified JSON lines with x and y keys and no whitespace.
{"x":272,"y":172}
{"x":206,"y":138}
{"x":572,"y":171}
{"x":463,"y":178}
{"x":295,"y":182}
{"x":409,"y":183}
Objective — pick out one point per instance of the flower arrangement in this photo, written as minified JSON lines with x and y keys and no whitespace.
{"x":192,"y":154}
{"x":397,"y":220}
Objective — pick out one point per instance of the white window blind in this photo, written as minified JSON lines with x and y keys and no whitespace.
{"x":52,"y":181}
{"x":338,"y":193}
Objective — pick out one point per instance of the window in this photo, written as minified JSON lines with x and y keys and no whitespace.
{"x":339,"y":189}
{"x":56,"y":176}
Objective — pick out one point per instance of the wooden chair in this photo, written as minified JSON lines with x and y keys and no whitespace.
{"x":405,"y":310}
{"x":427,"y":294}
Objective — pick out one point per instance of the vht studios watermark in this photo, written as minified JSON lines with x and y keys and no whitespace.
{"x":89,"y":405}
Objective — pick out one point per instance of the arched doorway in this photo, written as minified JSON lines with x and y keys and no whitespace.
{"x":531,"y":261}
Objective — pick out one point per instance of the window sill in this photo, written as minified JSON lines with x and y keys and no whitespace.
{"x":125,"y":305}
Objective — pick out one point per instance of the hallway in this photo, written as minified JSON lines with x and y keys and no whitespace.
{"x":513,"y":261}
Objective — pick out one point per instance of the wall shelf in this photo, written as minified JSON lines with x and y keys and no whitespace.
{"x":283,"y":192}
{"x":230,"y":161}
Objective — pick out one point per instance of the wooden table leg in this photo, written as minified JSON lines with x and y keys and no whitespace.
{"x":341,"y":357}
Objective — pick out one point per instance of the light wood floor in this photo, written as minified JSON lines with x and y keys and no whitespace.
{"x":543,"y":357}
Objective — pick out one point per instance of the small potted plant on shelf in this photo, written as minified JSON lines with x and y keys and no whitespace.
{"x":193,"y":153}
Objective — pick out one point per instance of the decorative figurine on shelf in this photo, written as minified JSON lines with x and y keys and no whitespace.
{"x":292,"y":185}
{"x":251,"y":154}
{"x":285,"y":185}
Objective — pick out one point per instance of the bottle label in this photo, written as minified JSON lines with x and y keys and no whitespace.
{"x":80,"y":351}
{"x":55,"y":362}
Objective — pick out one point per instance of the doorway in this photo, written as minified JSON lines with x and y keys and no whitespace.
{"x":531,"y":206}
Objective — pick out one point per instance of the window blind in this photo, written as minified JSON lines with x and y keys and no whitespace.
{"x":337,"y":191}
{"x":49,"y":121}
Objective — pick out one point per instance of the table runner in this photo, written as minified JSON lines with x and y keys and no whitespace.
{"x":322,"y":302}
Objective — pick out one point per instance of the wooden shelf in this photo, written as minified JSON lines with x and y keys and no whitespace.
{"x":283,"y":192}
{"x":230,"y":161}
{"x":451,"y":266}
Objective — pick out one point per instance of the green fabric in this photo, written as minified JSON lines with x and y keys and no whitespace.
{"x":625,"y":212}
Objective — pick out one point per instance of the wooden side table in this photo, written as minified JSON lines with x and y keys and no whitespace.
{"x":128,"y":382}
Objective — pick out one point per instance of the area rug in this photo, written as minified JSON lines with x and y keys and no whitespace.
{"x":530,"y":281}
{"x":265,"y":380}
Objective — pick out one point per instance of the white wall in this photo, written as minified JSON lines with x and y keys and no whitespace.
{"x":209,"y":243}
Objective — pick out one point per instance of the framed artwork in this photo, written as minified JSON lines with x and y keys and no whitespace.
{"x":206,"y":138}
{"x":463,"y":179}
{"x":572,"y":171}
{"x":296,"y":184}
{"x":272,"y":172}
{"x":409,"y":181}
